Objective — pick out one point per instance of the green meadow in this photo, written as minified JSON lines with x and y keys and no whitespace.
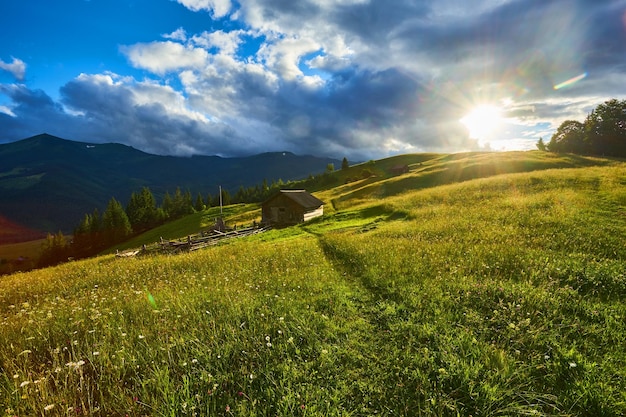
{"x":476,"y":284}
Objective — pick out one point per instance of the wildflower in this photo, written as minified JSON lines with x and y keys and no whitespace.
{"x":227,"y":408}
{"x":194,"y":360}
{"x":75,"y":365}
{"x":96,"y":353}
{"x":142,"y":336}
{"x":49,"y":407}
{"x":573,"y":365}
{"x":24,"y":383}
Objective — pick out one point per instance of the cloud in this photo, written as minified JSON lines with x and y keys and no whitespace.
{"x":179,"y":34}
{"x":217,"y":8}
{"x":32,"y":112}
{"x":17,"y":68}
{"x":224,"y":42}
{"x":146,"y":115}
{"x":360,"y":78}
{"x":164,"y":57}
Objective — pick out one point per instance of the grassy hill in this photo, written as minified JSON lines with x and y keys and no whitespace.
{"x":439,"y":292}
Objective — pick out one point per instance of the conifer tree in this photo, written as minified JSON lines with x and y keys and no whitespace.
{"x":115,"y":223}
{"x":199,"y":206}
{"x":168,"y":205}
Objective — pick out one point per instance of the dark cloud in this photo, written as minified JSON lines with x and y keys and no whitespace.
{"x":111,"y":113}
{"x":376,"y":21}
{"x":34,"y":112}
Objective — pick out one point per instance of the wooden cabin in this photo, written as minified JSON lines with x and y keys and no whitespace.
{"x":399,"y":169}
{"x":291,"y":207}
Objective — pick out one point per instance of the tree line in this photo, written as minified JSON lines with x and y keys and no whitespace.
{"x":96,"y":231}
{"x":602,"y":133}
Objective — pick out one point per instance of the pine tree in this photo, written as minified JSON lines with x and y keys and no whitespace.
{"x":55,"y":249}
{"x":168,"y":205}
{"x":199,"y":206}
{"x":115,"y":223}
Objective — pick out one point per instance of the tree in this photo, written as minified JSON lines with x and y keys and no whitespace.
{"x":344,"y":164}
{"x":540,"y":145}
{"x":199,"y":206}
{"x":168,"y":205}
{"x":181,"y":204}
{"x":330,"y":167}
{"x":115,"y":223}
{"x":605,"y":128}
{"x":55,"y":249}
{"x":142,"y":211}
{"x":569,"y":137}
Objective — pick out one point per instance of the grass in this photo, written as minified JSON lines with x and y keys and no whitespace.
{"x":494,"y":296}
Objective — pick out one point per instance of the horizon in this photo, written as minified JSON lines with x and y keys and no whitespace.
{"x":364,"y":80}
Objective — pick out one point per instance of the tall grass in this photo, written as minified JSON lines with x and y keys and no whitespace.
{"x":501,"y":296}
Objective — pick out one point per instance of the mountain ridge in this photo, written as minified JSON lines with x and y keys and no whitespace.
{"x":48,"y":183}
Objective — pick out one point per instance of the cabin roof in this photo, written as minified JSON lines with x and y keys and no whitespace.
{"x":301,"y":197}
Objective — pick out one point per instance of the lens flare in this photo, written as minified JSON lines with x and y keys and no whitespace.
{"x":151,"y":299}
{"x":571,"y":81}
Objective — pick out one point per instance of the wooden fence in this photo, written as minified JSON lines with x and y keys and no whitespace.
{"x":192,"y":242}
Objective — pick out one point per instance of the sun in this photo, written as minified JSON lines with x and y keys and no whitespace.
{"x":483,"y":121}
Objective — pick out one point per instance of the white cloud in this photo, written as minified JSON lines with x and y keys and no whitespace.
{"x":218,"y":8}
{"x":225,"y":42}
{"x":17,"y":68}
{"x":164,"y":57}
{"x":7,"y":111}
{"x":178,"y":35}
{"x":284,"y":56}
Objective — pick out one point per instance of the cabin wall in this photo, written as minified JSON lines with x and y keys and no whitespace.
{"x":283,"y":210}
{"x":313,"y":214}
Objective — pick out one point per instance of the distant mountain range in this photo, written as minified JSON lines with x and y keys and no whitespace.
{"x":49,"y":184}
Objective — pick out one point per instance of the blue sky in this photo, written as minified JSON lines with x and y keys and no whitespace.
{"x":357,"y":78}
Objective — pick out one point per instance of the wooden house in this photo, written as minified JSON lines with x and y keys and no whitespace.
{"x":399,"y":169}
{"x":291,"y":207}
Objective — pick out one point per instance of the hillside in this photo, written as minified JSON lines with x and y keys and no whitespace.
{"x":49,"y":184}
{"x":11,"y":232}
{"x":418,"y":294}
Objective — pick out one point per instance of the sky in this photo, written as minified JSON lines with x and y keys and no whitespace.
{"x":362,"y":79}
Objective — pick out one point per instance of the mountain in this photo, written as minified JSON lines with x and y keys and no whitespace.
{"x":48,"y":183}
